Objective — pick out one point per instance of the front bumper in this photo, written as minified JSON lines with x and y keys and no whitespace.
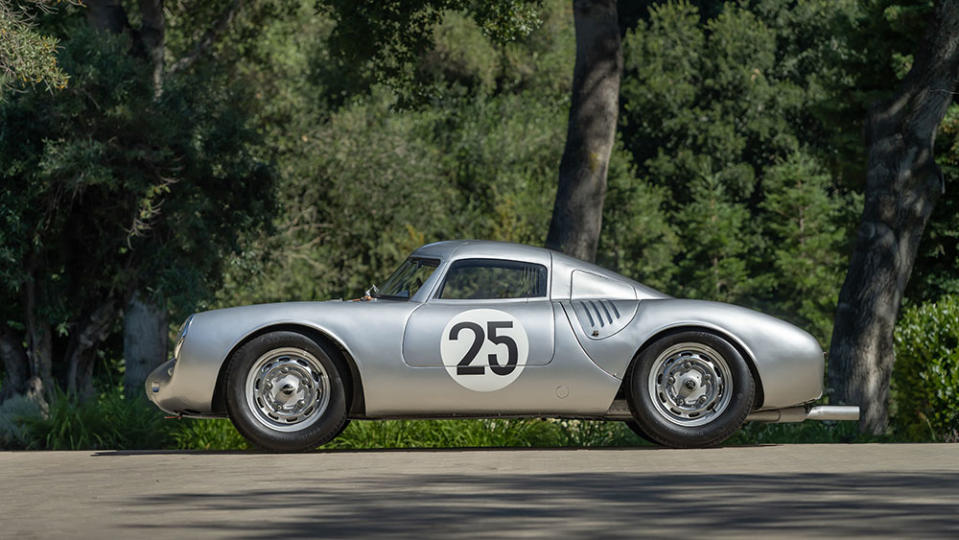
{"x":158,"y":389}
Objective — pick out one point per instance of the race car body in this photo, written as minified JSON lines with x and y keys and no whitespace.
{"x":480,"y":329}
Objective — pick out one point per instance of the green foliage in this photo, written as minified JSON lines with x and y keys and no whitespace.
{"x":597,"y":433}
{"x":804,"y":224}
{"x":26,"y":55}
{"x":14,"y":413}
{"x":445,"y":433}
{"x":925,"y":379}
{"x":382,"y":182}
{"x":722,"y":113}
{"x":205,"y":434}
{"x":108,"y":188}
{"x":803,"y":433}
{"x":111,"y":421}
{"x":382,"y":40}
{"x":934,"y":273}
{"x":714,"y":264}
{"x":482,"y":433}
{"x":637,"y":239}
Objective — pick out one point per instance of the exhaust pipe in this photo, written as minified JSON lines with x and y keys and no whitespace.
{"x":799,"y":414}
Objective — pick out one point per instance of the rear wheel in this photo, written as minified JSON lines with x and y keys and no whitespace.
{"x":690,"y":389}
{"x":286,"y":393}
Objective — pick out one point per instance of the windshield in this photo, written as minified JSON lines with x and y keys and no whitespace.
{"x":407,"y":279}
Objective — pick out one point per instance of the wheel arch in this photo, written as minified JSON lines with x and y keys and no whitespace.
{"x":699,"y":327}
{"x":356,"y":403}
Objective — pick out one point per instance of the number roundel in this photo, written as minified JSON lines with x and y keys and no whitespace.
{"x":484,"y":349}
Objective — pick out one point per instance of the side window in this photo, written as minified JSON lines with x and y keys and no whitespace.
{"x":474,"y":279}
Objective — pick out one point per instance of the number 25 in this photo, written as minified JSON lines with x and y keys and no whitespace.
{"x":464,"y":367}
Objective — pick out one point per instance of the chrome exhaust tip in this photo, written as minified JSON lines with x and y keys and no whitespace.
{"x":799,"y":414}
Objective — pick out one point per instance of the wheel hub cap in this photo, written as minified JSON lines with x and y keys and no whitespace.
{"x":287,"y":389}
{"x":690,"y":384}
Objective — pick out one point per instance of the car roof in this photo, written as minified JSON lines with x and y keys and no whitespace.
{"x":449,"y":250}
{"x":469,"y":249}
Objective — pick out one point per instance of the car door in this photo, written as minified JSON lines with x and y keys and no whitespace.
{"x":486,"y":321}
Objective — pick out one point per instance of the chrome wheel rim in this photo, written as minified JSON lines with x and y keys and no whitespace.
{"x":287,"y":389}
{"x":690,"y":384}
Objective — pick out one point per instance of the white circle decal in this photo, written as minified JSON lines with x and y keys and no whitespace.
{"x":484,"y":349}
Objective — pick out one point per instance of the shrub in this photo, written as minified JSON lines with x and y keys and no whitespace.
{"x":14,"y":413}
{"x":925,"y":379}
{"x":110,"y":421}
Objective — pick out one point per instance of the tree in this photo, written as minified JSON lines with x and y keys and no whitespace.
{"x":804,"y":226}
{"x":903,"y":184}
{"x":393,"y":34}
{"x":591,"y":132}
{"x":145,"y":316}
{"x":27,"y":56}
{"x":722,"y":109}
{"x":366,"y":181}
{"x":113,"y":187}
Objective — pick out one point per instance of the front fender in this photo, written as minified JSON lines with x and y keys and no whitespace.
{"x":213,"y":335}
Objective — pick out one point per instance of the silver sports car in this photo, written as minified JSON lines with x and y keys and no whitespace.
{"x":483,"y":329}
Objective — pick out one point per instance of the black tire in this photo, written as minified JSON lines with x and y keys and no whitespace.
{"x":298,"y":367}
{"x":702,"y":367}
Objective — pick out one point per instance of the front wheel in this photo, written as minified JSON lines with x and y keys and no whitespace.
{"x":690,"y":389}
{"x":286,"y":393}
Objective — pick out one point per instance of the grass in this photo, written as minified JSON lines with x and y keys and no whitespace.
{"x":113,"y":421}
{"x":529,"y":433}
{"x":513,"y":433}
{"x":207,"y":434}
{"x":810,"y":432}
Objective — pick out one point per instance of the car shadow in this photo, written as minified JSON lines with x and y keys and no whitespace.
{"x":577,"y":505}
{"x":645,"y":448}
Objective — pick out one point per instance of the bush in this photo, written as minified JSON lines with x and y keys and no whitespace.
{"x":110,"y":421}
{"x":925,"y":379}
{"x":14,"y":413}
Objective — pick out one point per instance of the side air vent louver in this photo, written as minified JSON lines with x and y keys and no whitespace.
{"x":598,"y":312}
{"x":601,"y":318}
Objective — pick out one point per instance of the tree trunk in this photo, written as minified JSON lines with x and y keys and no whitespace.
{"x":152,"y":33}
{"x":16,"y":367}
{"x":144,"y":342}
{"x":90,"y":331}
{"x":39,"y":337}
{"x":578,"y":211}
{"x":903,"y":184}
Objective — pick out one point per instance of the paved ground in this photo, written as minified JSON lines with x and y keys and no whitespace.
{"x":797,"y":490}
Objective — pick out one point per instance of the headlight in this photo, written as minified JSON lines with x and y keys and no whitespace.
{"x":181,"y":337}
